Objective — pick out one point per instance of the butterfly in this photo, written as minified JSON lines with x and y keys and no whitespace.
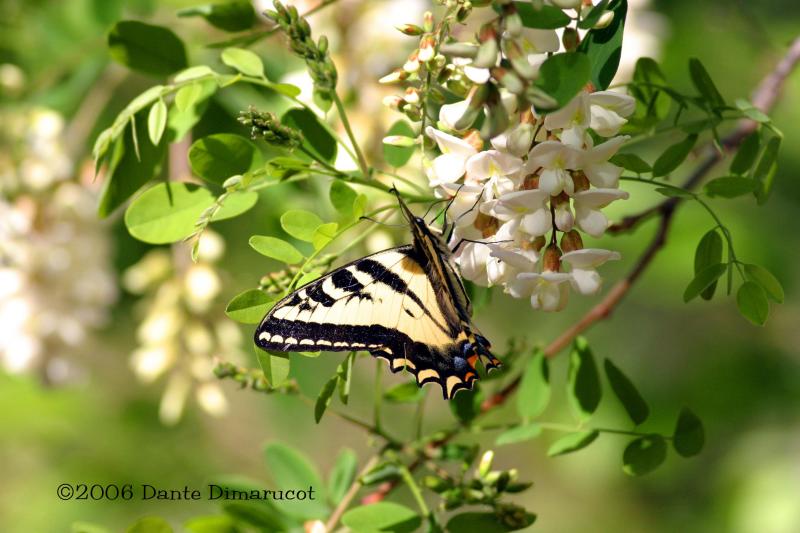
{"x":405,"y":304}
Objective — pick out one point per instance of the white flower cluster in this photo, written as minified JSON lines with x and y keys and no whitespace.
{"x":181,"y":334}
{"x":543,"y":175}
{"x":56,"y":278}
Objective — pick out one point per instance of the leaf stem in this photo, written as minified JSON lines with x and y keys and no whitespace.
{"x":405,"y":473}
{"x":362,"y":162}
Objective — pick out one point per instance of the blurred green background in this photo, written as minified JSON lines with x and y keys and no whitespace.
{"x":742,"y":380}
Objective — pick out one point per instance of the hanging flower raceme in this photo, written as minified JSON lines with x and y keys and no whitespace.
{"x":181,"y":334}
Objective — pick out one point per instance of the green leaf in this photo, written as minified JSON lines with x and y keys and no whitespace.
{"x":276,"y":249}
{"x":583,"y":382}
{"x":466,"y":404}
{"x":232,"y":16}
{"x":150,"y":524}
{"x":245,"y":61}
{"x":730,"y":186}
{"x":534,"y":390}
{"x":652,"y":103}
{"x":187,"y":96}
{"x":345,"y":373}
{"x":562,"y":76}
{"x":644,"y":454}
{"x":128,"y":173}
{"x":476,"y":522}
{"x":752,"y":112}
{"x":212,"y":524}
{"x":300,"y":224}
{"x":397,"y":156}
{"x":625,"y":390}
{"x":150,"y":49}
{"x":275,"y":366}
{"x":674,"y":192}
{"x":407,"y":392}
{"x":324,"y":234}
{"x":193,"y":73}
{"x":765,"y":170}
{"x":572,"y":442}
{"x":702,"y":280}
{"x":86,"y":527}
{"x":708,"y":253}
{"x":746,"y":154}
{"x":673,"y":156}
{"x":250,"y":306}
{"x":217,"y":157}
{"x":603,"y":46}
{"x":519,"y":434}
{"x":292,"y":470}
{"x":544,"y":18}
{"x":167,"y":212}
{"x":703,"y":83}
{"x":324,"y":398}
{"x":342,"y":475}
{"x":752,"y":302}
{"x":342,"y":197}
{"x":689,"y":436}
{"x":235,"y":204}
{"x":766,"y":281}
{"x":317,"y":139}
{"x":180,"y":122}
{"x":157,"y":121}
{"x":381,"y":516}
{"x":631,"y":162}
{"x":263,"y":517}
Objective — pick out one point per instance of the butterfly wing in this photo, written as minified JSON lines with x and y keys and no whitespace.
{"x":384,"y":303}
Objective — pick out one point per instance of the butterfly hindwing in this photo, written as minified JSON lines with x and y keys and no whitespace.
{"x":396,"y":304}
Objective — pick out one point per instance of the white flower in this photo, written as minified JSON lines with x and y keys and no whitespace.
{"x":527,"y":207}
{"x":476,"y":75}
{"x":555,"y":159}
{"x":547,"y":291}
{"x":451,"y":165}
{"x":594,"y":163}
{"x":587,"y":209}
{"x":463,"y":208}
{"x":583,"y":276}
{"x":573,"y":119}
{"x":535,"y":42}
{"x":608,"y":110}
{"x":496,"y":169}
{"x":450,"y":114}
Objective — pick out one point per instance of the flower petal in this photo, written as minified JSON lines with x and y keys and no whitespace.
{"x":589,"y":257}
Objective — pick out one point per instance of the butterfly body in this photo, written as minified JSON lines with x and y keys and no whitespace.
{"x":405,"y":304}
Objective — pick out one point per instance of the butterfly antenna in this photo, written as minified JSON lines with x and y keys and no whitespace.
{"x":383,"y":223}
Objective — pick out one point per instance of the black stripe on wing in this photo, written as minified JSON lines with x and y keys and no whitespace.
{"x":452,"y":367}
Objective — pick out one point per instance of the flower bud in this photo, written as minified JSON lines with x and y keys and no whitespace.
{"x":486,"y":463}
{"x":467,"y":50}
{"x":571,"y":241}
{"x":394,"y":102}
{"x":412,"y":96}
{"x":427,"y":21}
{"x":487,"y":225}
{"x":473,"y":137}
{"x":463,"y":12}
{"x":410,"y":29}
{"x":412,"y":63}
{"x":604,"y":20}
{"x":530,"y":182}
{"x":394,"y":76}
{"x":413,"y":112}
{"x":570,"y":39}
{"x":496,"y":121}
{"x":538,"y":243}
{"x":580,"y":181}
{"x":510,"y":80}
{"x":322,"y":44}
{"x":426,"y":51}
{"x":551,"y":262}
{"x":488,"y":50}
{"x":513,"y":24}
{"x":519,"y":60}
{"x":564,"y":217}
{"x":520,"y":139}
{"x":232,"y":182}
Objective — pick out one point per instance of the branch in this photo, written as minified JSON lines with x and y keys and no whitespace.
{"x":765,"y":97}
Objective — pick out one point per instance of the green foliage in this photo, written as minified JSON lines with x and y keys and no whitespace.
{"x":318,"y":141}
{"x":572,"y":442}
{"x":488,"y":523}
{"x":342,"y":475}
{"x":703,"y":280}
{"x":397,"y":156}
{"x":147,"y":48}
{"x":632,"y":162}
{"x":232,"y":15}
{"x":603,"y":46}
{"x":150,"y":524}
{"x":407,"y":392}
{"x":625,"y":390}
{"x":544,"y":18}
{"x":583,"y":386}
{"x":300,"y":224}
{"x":250,"y":306}
{"x":292,"y":470}
{"x":169,"y":211}
{"x":217,"y":157}
{"x":275,"y":248}
{"x":730,"y":186}
{"x":519,"y":434}
{"x":752,"y":302}
{"x":381,"y":516}
{"x":534,"y":390}
{"x":708,"y":254}
{"x":644,"y":454}
{"x":342,"y":197}
{"x":561,"y":77}
{"x":245,"y":61}
{"x":689,"y":436}
{"x":211,"y":524}
{"x":673,"y":156}
{"x":275,"y":366}
{"x":764,"y":279}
